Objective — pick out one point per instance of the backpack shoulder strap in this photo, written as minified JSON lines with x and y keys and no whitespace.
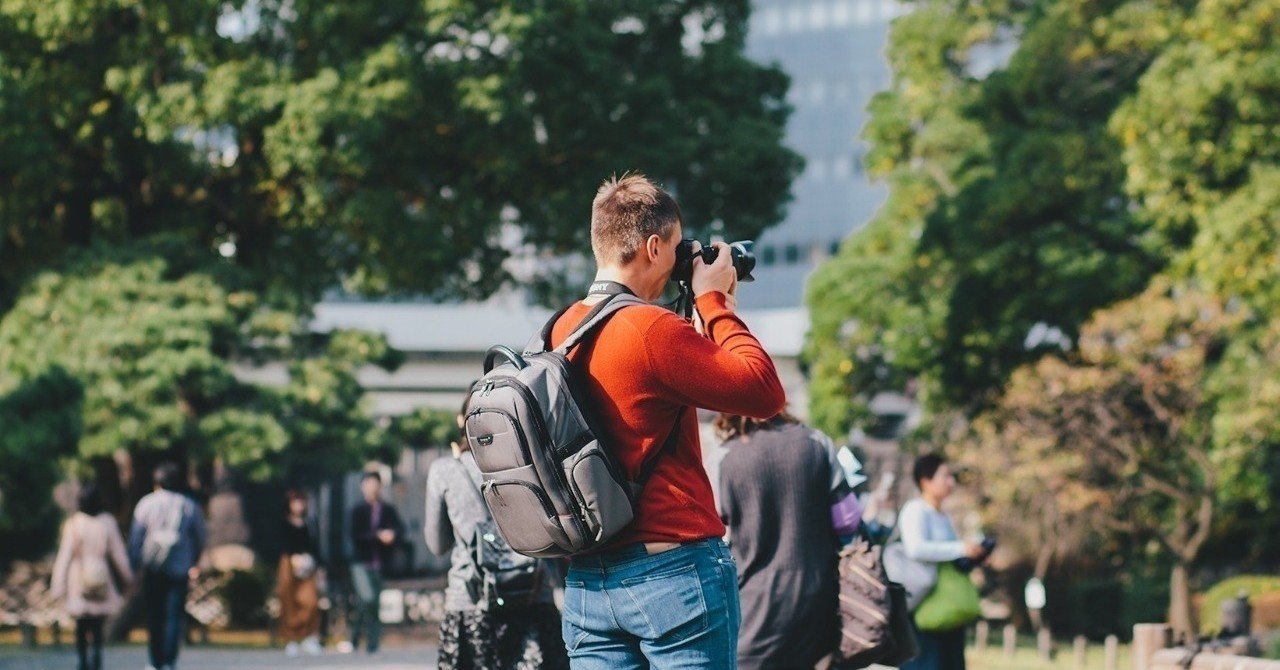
{"x":597,"y":316}
{"x":540,"y":341}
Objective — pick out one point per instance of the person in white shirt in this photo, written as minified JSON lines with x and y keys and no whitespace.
{"x":928,"y":536}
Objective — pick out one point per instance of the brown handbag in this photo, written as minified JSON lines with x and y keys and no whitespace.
{"x":875,"y":623}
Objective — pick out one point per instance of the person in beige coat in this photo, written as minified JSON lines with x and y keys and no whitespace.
{"x":90,"y":558}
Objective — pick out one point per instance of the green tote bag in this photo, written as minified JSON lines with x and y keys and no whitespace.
{"x":952,"y":604}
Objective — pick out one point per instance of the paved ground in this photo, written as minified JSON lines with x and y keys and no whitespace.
{"x":205,"y":658}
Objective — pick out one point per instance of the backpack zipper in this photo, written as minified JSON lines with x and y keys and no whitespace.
{"x":524,"y":446}
{"x":545,"y":435}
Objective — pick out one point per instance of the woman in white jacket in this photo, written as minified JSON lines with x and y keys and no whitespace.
{"x":90,"y":556}
{"x":928,"y":536}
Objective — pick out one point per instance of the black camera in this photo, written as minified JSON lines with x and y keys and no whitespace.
{"x":744,"y":259}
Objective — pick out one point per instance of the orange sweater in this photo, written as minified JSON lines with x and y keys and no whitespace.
{"x":642,"y":366}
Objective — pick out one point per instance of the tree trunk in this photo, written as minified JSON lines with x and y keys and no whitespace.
{"x":1180,"y":601}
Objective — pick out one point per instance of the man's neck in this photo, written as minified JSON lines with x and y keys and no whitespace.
{"x":627,"y":279}
{"x":934,"y":503}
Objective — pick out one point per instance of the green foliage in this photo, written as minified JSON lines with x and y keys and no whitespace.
{"x":425,"y":427}
{"x":388,"y":145}
{"x":155,"y":353}
{"x":1006,"y":213}
{"x":244,"y":594}
{"x":40,"y":422}
{"x":1228,"y":589}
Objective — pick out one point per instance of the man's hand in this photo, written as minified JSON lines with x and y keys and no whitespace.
{"x":719,"y":276}
{"x":974,"y":551}
{"x":386,"y":536}
{"x":193,"y":574}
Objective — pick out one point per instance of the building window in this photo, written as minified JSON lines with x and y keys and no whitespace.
{"x":840,"y":169}
{"x":795,"y":18}
{"x":770,"y":21}
{"x":833,"y":248}
{"x":864,"y":12}
{"x":817,"y":16}
{"x":768,"y":255}
{"x":791,"y":255}
{"x":818,"y":169}
{"x":818,"y":92}
{"x":840,"y":13}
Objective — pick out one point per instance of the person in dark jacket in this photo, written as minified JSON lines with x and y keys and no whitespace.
{"x":166,"y":540}
{"x":784,"y":497}
{"x":375,"y":530}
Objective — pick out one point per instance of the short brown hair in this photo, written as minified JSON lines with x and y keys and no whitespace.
{"x":732,"y":426}
{"x":626,"y":211}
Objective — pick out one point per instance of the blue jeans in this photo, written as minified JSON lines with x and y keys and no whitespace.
{"x":366,"y":583}
{"x":678,"y":609}
{"x":165,"y":600}
{"x":939,"y":651}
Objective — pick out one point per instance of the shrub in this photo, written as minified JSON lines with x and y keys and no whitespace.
{"x":1264,"y":594}
{"x":245,"y":596}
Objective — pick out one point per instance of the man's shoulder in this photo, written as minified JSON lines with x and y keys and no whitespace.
{"x":915,"y":506}
{"x":642,"y":320}
{"x":146,"y":503}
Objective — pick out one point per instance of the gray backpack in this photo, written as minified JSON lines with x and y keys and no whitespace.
{"x":550,"y":481}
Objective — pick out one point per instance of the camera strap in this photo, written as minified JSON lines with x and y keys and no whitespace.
{"x":683,"y":304}
{"x":608,"y":288}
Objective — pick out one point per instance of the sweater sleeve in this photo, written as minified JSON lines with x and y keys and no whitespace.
{"x":437,"y":528}
{"x":62,"y":564}
{"x":727,"y":371}
{"x":913,"y":522}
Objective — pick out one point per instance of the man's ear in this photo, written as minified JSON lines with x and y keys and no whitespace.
{"x":653,"y":248}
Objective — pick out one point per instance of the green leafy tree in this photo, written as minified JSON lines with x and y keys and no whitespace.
{"x":383,"y":146}
{"x":1123,"y":432}
{"x":1121,"y":140}
{"x":155,"y":352}
{"x":1007,"y":222}
{"x":425,"y":427}
{"x":40,"y":423}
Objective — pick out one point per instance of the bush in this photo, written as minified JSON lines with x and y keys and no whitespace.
{"x":245,"y":596}
{"x":1255,"y":586}
{"x":1094,"y":608}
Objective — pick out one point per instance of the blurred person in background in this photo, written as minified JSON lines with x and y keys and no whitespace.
{"x":786,"y":501}
{"x":473,"y":637}
{"x":90,"y":557}
{"x":165,"y":543}
{"x":929,"y":537}
{"x":375,"y":529}
{"x":298,"y":579}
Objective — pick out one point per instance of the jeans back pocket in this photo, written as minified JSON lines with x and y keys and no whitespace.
{"x":670,"y":603}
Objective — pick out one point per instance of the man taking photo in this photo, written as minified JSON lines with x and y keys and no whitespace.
{"x":665,"y":593}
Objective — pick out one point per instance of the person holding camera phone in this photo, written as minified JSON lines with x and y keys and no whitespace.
{"x":664,"y":593}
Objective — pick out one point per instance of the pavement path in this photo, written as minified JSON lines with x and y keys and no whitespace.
{"x":206,"y":658}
